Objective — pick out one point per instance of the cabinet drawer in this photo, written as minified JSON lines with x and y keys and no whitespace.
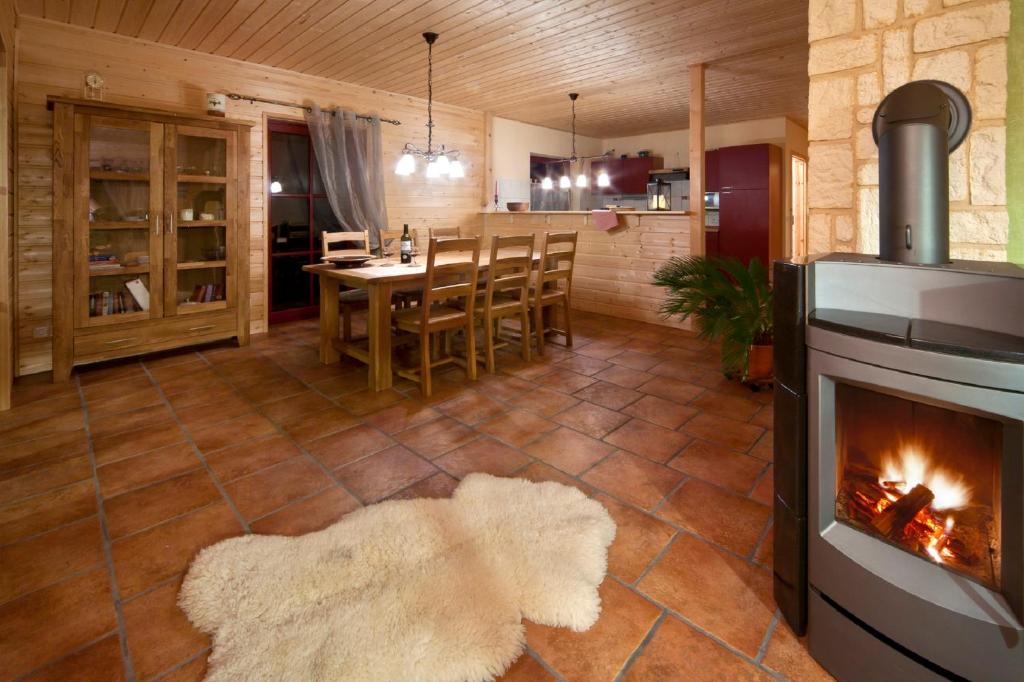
{"x":157,"y":335}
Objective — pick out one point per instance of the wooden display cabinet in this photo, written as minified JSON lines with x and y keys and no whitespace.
{"x":150,"y":233}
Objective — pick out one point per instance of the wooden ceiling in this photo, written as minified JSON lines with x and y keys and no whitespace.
{"x":514,"y":58}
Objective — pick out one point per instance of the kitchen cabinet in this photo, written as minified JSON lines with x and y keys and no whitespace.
{"x":711,"y":183}
{"x":711,"y":243}
{"x":744,"y":220}
{"x":743,"y":167}
{"x":628,"y":176}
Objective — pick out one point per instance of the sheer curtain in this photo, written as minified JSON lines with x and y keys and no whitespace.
{"x":348,"y":152}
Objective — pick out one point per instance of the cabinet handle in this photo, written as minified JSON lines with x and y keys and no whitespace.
{"x":117,"y":341}
{"x":201,"y":328}
{"x":170,"y":225}
{"x":156,"y":226}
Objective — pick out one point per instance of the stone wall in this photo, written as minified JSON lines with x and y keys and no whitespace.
{"x":860,"y":50}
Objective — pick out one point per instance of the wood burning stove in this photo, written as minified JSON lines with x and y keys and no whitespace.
{"x":900,"y":410}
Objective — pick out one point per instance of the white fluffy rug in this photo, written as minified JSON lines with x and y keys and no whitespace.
{"x":407,"y":590}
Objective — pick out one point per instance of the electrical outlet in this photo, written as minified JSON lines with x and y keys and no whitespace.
{"x":40,"y":332}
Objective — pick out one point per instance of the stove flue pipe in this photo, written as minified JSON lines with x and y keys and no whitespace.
{"x":916,"y":127}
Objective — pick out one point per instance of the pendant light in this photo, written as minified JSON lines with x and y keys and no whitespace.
{"x":581,"y":181}
{"x":546,"y":183}
{"x":440,"y":162}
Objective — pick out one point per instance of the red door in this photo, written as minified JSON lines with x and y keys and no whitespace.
{"x":743,"y":224}
{"x":743,"y":167}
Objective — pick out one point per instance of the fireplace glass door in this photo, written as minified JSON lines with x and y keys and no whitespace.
{"x":923,"y":478}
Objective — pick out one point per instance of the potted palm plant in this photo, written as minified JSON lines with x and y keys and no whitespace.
{"x":729,"y":303}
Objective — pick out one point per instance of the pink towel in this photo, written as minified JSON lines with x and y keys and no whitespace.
{"x":606,"y":220}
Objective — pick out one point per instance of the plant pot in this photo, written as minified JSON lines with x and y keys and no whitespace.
{"x":760,"y":364}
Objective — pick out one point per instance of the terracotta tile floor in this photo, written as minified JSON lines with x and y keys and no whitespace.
{"x":111,"y":483}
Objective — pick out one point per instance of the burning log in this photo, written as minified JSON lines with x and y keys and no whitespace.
{"x":895,"y":518}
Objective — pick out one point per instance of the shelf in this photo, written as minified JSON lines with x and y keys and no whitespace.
{"x":207,"y":179}
{"x":188,"y":308}
{"x":199,"y":264}
{"x":119,"y":225}
{"x":202,"y":223}
{"x":96,"y":174}
{"x":117,"y":272}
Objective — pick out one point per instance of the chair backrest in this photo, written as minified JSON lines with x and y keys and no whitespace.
{"x":451,"y":272}
{"x":328,"y":238}
{"x":557,"y":256}
{"x":509,"y":268}
{"x":389,"y":240}
{"x":444,"y":233}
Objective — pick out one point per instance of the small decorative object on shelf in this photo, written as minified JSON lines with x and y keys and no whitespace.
{"x":216,"y":104}
{"x":94,"y":86}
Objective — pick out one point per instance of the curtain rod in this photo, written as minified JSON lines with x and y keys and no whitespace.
{"x":236,"y":96}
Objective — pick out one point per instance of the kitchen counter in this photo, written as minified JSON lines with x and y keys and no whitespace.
{"x":614,"y":268}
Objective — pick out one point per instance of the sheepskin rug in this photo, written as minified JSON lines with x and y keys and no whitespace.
{"x":426,"y":590}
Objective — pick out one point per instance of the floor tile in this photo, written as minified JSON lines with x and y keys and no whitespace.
{"x":202,"y":396}
{"x":101,"y":392}
{"x":268,"y":489}
{"x":158,"y":632}
{"x":721,"y":466}
{"x":639,"y":538}
{"x":541,"y":471}
{"x":677,"y":651}
{"x":470,"y":407}
{"x":565,"y":381}
{"x":404,"y":415}
{"x":725,"y":405}
{"x":44,"y":559}
{"x":69,"y":420}
{"x":315,"y":425}
{"x":433,"y":439}
{"x":764,"y":491}
{"x":504,"y":387}
{"x":764,"y":448}
{"x":440,"y":485}
{"x":131,"y":443}
{"x":51,"y":447}
{"x":27,"y":481}
{"x":732,"y":521}
{"x":307,"y":515}
{"x":366,"y":401}
{"x":294,"y":407}
{"x":384,"y":473}
{"x":101,"y":660}
{"x":203,"y":380}
{"x":144,"y":507}
{"x":672,"y":389}
{"x":608,"y":395}
{"x":765,"y":418}
{"x":340,"y":385}
{"x":716,"y":591}
{"x":581,"y":364}
{"x":156,"y":554}
{"x":726,"y":432}
{"x":125,"y":402}
{"x":237,"y":430}
{"x":603,"y":350}
{"x":660,"y":411}
{"x":598,"y":654}
{"x":624,"y":376}
{"x":526,"y":669}
{"x":150,"y":467}
{"x":764,"y":553}
{"x":788,"y":655}
{"x":593,"y":420}
{"x":634,"y":360}
{"x":47,"y":510}
{"x":271,"y":389}
{"x":251,"y":456}
{"x":349,"y":445}
{"x":482,"y":455}
{"x":545,"y":402}
{"x":129,"y":421}
{"x":569,"y":450}
{"x":517,"y":427}
{"x":634,"y":479}
{"x":192,"y":671}
{"x":198,"y":417}
{"x":648,"y":440}
{"x":31,"y":636}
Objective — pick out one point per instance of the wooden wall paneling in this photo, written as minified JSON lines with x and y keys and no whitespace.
{"x":697,"y":124}
{"x":64,"y":124}
{"x":7,"y":180}
{"x":158,"y":76}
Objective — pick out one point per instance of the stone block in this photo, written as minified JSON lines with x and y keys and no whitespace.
{"x":979,"y":227}
{"x":954,"y":67}
{"x":869,"y":91}
{"x":843,"y":228}
{"x":988,"y":166}
{"x":895,"y":59}
{"x":867,"y":228}
{"x":990,"y":81}
{"x":866,"y":147}
{"x":830,"y":176}
{"x":867,"y":174}
{"x":958,"y":174}
{"x":878,"y":13}
{"x":828,"y":18}
{"x":842,"y":54}
{"x":993,"y":254}
{"x":819,"y":233}
{"x":865,"y":114}
{"x":962,"y":27}
{"x":915,"y":8}
{"x":830,"y":116}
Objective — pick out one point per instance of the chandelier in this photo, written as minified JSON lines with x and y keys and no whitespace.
{"x":440,"y":161}
{"x":565,"y":182}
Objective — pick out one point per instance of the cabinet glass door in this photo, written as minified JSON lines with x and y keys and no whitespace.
{"x":119,"y":223}
{"x":198,"y":253}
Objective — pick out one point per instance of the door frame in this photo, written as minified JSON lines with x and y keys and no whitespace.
{"x":7,"y":362}
{"x":798,"y":246}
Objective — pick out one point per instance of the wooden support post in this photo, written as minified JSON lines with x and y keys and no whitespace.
{"x":487,"y":196}
{"x":697,"y":183}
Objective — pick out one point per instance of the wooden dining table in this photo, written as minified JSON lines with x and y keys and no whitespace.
{"x":380,"y":278}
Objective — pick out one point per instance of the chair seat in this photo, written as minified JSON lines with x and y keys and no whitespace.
{"x":551,"y":295}
{"x":410,"y":319}
{"x":354,"y":296}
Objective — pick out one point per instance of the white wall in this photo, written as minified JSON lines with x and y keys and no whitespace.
{"x":674,"y":145}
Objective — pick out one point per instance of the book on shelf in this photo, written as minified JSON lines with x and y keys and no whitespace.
{"x":104,"y":303}
{"x":206,"y":293}
{"x":137,"y":288}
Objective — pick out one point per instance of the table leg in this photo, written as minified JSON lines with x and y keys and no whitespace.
{"x":378,"y":328}
{"x":329,"y":290}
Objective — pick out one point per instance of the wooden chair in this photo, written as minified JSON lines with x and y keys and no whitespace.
{"x":558,"y":253}
{"x":350,"y":300}
{"x":444,"y":232}
{"x":451,"y":275}
{"x":507,"y":293}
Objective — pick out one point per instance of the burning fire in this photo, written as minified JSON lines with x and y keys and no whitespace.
{"x":913,"y":468}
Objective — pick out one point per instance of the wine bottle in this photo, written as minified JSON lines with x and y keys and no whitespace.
{"x":406,"y":245}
